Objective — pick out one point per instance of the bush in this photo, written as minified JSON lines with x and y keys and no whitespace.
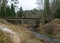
{"x":49,"y":29}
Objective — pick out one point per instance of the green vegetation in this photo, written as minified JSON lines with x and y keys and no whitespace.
{"x":49,"y":12}
{"x":4,"y":38}
{"x":57,"y":14}
{"x":1,"y":36}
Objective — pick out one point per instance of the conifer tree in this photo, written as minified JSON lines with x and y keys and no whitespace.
{"x":12,"y":11}
{"x":20,"y":12}
{"x":8,"y":12}
{"x":47,"y":11}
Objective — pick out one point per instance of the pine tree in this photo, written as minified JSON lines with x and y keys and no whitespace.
{"x":12,"y":11}
{"x":4,"y":5}
{"x":57,"y":13}
{"x":0,"y":4}
{"x":8,"y":12}
{"x":19,"y":15}
{"x":3,"y":8}
{"x":2,"y":12}
{"x":20,"y":12}
{"x":47,"y":11}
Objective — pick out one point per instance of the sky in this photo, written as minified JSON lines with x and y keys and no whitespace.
{"x":27,"y":4}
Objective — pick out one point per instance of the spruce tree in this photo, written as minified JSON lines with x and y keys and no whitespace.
{"x":47,"y":11}
{"x":2,"y":12}
{"x":8,"y":12}
{"x":57,"y":12}
{"x":12,"y":11}
{"x":20,"y":12}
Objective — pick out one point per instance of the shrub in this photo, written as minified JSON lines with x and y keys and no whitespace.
{"x":49,"y":29}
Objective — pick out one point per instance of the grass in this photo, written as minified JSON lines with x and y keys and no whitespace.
{"x":55,"y":24}
{"x":25,"y":35}
{"x":4,"y":38}
{"x":1,"y":36}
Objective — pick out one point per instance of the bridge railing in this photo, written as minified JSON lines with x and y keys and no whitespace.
{"x":21,"y":18}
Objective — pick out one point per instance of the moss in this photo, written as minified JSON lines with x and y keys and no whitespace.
{"x":1,"y":36}
{"x":7,"y":39}
{"x":4,"y":38}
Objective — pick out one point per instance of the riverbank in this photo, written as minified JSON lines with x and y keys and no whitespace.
{"x":24,"y":34}
{"x":44,"y":37}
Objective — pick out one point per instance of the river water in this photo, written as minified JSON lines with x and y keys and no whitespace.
{"x":45,"y":38}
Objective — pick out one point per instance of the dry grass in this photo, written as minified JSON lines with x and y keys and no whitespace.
{"x":25,"y":35}
{"x":56,"y":27}
{"x":5,"y":38}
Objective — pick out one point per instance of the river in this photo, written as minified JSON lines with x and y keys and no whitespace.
{"x":45,"y":38}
